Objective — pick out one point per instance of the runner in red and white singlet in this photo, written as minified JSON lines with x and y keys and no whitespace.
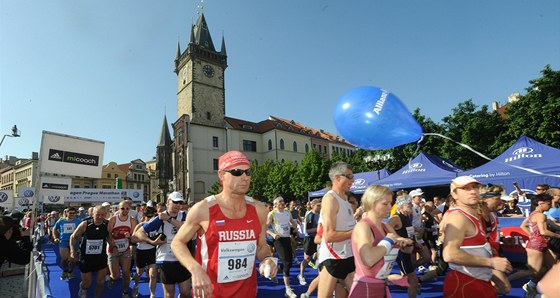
{"x":231,"y":229}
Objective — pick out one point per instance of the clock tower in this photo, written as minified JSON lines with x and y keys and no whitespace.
{"x":200,"y":78}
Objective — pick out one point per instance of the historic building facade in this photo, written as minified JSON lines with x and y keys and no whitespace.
{"x":203,"y":132}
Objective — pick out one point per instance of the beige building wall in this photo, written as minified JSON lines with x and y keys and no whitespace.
{"x":25,"y":173}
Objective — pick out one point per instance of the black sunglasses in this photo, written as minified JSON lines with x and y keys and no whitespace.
{"x":239,"y":172}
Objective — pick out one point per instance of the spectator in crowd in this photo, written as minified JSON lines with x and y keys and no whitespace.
{"x":554,"y":212}
{"x":510,"y":208}
{"x":17,"y":252}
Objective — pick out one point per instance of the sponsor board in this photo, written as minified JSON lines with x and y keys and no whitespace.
{"x":7,"y":199}
{"x":54,"y":190}
{"x":71,"y":155}
{"x":99,"y":195}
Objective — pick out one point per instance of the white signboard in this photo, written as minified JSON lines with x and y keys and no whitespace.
{"x":7,"y":199}
{"x":100,"y":195}
{"x":72,"y":156}
{"x":55,"y":189}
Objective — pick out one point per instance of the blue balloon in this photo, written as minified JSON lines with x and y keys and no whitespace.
{"x":372,"y":118}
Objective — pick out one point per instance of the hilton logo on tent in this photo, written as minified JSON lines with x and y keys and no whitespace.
{"x":415,"y":167}
{"x":523,"y":152}
{"x":72,"y":157}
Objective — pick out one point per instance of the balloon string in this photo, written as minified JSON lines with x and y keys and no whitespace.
{"x":482,"y":155}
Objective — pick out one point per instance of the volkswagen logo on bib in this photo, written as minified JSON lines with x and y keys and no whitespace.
{"x":251,"y":247}
{"x":3,"y":197}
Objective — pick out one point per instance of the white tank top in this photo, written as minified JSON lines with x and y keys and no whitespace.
{"x":281,"y":222}
{"x":163,"y":252}
{"x":345,"y":221}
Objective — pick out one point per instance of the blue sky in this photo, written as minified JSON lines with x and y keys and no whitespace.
{"x":104,"y":69}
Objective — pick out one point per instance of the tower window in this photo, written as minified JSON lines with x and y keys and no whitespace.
{"x":208,"y":116}
{"x":306,"y":148}
{"x":295,"y":146}
{"x":281,"y":144}
{"x":269,"y":144}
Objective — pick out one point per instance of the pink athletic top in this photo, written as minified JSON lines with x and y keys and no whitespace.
{"x":365,"y":282}
{"x":536,"y":240}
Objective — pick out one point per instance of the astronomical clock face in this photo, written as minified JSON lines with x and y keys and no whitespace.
{"x":208,"y":71}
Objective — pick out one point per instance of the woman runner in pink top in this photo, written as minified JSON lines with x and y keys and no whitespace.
{"x":375,"y":245}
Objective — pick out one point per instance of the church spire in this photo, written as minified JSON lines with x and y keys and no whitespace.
{"x":223,"y":50}
{"x":165,"y":137}
{"x":202,"y":36}
{"x":178,"y":55}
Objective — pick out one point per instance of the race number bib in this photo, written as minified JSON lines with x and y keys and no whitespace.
{"x":122,"y":244}
{"x":410,"y":232}
{"x":435,"y":229}
{"x":388,"y":262}
{"x":94,"y":247}
{"x":68,"y":228}
{"x":236,"y":260}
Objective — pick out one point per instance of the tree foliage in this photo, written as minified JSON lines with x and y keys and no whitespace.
{"x":536,"y":115}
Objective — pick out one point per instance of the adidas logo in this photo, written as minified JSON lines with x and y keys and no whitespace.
{"x":55,"y":156}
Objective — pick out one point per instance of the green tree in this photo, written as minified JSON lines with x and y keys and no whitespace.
{"x":477,"y":128}
{"x":310,"y":175}
{"x":259,"y":180}
{"x":278,"y":180}
{"x":537,"y":114}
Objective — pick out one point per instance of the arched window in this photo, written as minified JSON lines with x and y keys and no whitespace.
{"x":306,"y":148}
{"x":269,"y":144}
{"x":281,"y":144}
{"x":295,"y":146}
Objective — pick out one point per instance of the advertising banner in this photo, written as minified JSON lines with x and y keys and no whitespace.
{"x":7,"y":199}
{"x":54,"y":190}
{"x":100,"y":195}
{"x":70,"y":155}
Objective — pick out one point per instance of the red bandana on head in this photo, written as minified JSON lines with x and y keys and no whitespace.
{"x":232,"y":159}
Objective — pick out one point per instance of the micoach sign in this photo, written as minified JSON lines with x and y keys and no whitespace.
{"x":71,"y":155}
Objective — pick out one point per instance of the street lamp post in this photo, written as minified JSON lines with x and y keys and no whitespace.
{"x":376,"y":162}
{"x":15,"y":134}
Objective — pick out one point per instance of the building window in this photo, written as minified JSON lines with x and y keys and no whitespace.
{"x":306,"y":148}
{"x":208,"y":116}
{"x":215,"y":143}
{"x":295,"y":146}
{"x":281,"y":144}
{"x":106,"y":186}
{"x":269,"y":144}
{"x":108,"y":175}
{"x":215,"y":164}
{"x":249,"y":145}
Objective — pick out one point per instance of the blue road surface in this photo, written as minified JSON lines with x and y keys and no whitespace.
{"x":266,"y":289}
